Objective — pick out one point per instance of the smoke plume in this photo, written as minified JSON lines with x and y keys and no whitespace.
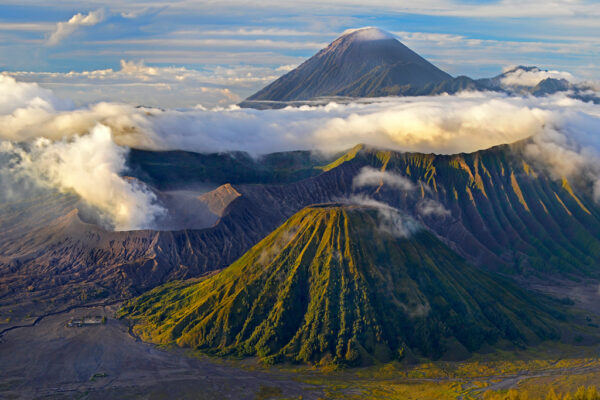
{"x":91,"y":166}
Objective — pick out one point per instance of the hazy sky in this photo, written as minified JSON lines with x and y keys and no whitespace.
{"x":183,"y":53}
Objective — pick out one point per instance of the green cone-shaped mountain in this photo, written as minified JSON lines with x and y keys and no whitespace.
{"x":338,"y":283}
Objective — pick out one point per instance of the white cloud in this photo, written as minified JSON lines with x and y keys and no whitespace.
{"x":64,"y":29}
{"x":14,"y":95}
{"x":573,"y":25}
{"x":212,"y":42}
{"x":391,"y":220}
{"x":470,"y":55}
{"x":429,"y":207}
{"x":80,"y":157}
{"x":437,"y":38}
{"x":26,"y":26}
{"x":248,"y":31}
{"x":369,"y":176}
{"x":286,"y":68}
{"x":143,"y":12}
{"x":138,"y":83}
{"x":530,"y":78}
{"x":441,"y":124}
{"x":503,"y":8}
{"x":563,"y":131}
{"x":570,"y":147}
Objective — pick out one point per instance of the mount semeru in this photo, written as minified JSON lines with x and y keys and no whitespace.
{"x":339,"y":284}
{"x":365,"y":62}
{"x":369,"y":62}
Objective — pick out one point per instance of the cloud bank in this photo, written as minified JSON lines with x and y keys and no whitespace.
{"x":54,"y":135}
{"x":442,"y":124}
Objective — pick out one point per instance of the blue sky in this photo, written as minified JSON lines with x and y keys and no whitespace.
{"x":183,"y":53}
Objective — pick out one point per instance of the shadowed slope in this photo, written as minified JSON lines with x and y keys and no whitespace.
{"x":334,"y":284}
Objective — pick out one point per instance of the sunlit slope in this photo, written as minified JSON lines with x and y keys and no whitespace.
{"x":333,"y":284}
{"x":506,"y":212}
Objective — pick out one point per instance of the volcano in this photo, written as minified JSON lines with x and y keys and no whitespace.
{"x":364,"y":62}
{"x":338,"y":283}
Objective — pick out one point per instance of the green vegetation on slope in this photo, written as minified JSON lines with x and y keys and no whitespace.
{"x":349,"y":155}
{"x":582,"y":393}
{"x":330,"y":285}
{"x":516,"y":218}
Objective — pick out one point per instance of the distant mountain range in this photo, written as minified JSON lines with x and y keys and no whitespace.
{"x":369,"y":62}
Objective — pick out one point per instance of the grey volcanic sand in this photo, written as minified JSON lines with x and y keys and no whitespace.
{"x":51,"y":360}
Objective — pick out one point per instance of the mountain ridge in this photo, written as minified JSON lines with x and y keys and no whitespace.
{"x":502,"y":215}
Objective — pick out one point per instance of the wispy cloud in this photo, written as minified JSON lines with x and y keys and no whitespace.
{"x":503,"y":8}
{"x":64,"y":29}
{"x":464,"y":55}
{"x":23,"y":26}
{"x":151,"y":85}
{"x":373,"y":177}
{"x":220,"y":43}
{"x":250,"y":31}
{"x":143,"y":12}
{"x":391,"y":220}
{"x":430,"y":207}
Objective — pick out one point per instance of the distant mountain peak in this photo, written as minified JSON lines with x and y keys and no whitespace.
{"x":365,"y":62}
{"x":370,"y":62}
{"x":525,"y":68}
{"x":366,"y":33}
